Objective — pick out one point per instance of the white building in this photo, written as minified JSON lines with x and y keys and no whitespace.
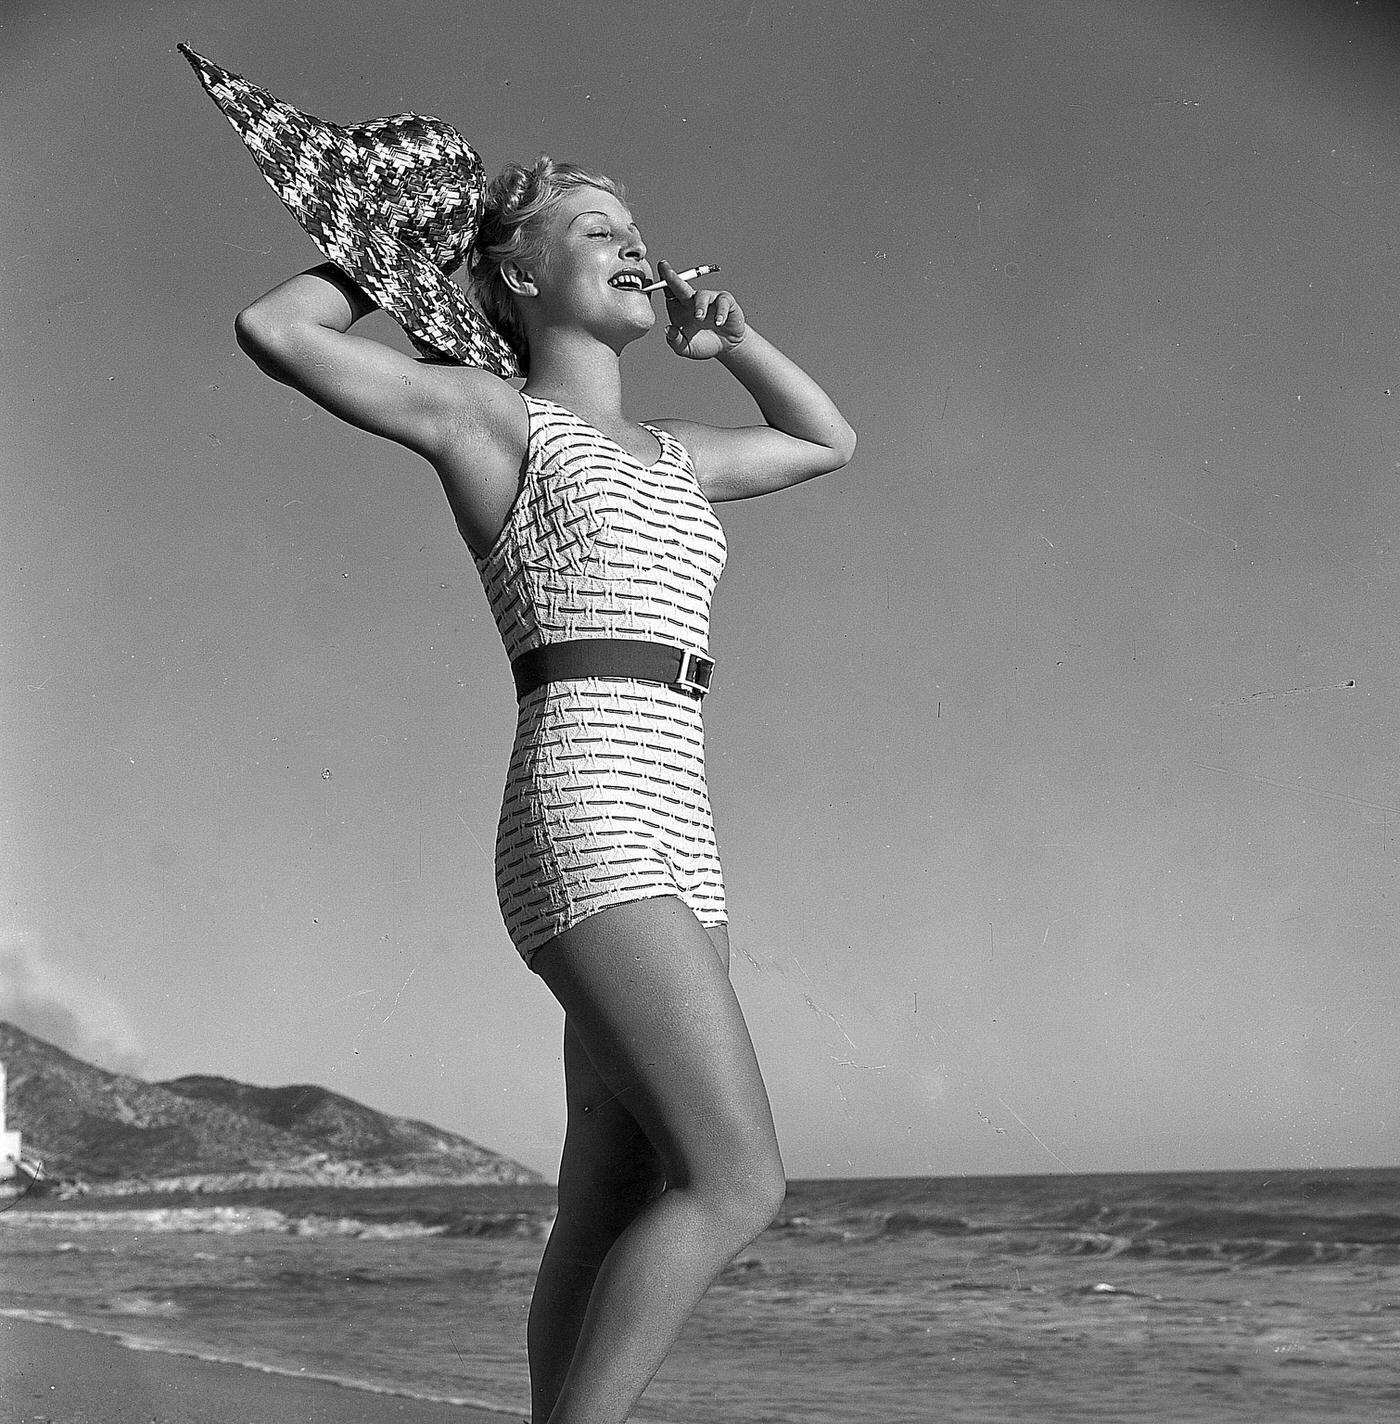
{"x":9,"y":1141}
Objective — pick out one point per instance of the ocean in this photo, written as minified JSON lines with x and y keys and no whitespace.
{"x":1190,"y":1298}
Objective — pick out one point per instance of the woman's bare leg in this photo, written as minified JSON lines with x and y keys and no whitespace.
{"x":650,"y":1003}
{"x":607,"y":1174}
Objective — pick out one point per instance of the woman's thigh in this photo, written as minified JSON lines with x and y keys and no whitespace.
{"x":646,"y":991}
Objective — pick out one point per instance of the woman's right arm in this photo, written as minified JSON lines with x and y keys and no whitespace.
{"x":466,"y":422}
{"x":299,"y":333}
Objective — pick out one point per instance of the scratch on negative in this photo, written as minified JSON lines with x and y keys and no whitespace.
{"x":471,"y":833}
{"x":1271,"y":692}
{"x":1040,"y":1140}
{"x":394,"y":1006}
{"x":345,"y":998}
{"x":1301,"y":790}
{"x":821,"y":1013}
{"x":748,"y":957}
{"x":1182,"y":519}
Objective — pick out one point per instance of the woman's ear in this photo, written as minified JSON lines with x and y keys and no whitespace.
{"x":520,"y":282}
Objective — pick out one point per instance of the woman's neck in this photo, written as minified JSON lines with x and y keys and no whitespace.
{"x":584,"y":376}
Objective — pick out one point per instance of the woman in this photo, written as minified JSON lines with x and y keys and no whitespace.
{"x":587,"y":525}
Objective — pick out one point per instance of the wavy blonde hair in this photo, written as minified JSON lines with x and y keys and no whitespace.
{"x":515,"y":228}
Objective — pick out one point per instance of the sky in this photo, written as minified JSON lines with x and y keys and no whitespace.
{"x":1054,"y":741}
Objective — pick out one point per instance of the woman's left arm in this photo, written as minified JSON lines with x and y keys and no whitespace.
{"x":804,"y":434}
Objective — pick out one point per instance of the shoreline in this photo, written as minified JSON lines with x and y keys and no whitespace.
{"x":58,"y":1371}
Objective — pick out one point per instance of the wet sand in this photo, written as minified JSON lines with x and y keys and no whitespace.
{"x":51,"y":1375}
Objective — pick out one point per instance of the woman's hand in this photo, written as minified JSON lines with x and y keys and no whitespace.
{"x":703,"y":325}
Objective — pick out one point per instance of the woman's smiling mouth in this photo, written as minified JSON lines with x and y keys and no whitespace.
{"x":631,"y":280}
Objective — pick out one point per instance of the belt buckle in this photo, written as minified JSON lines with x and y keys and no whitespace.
{"x":695,"y":673}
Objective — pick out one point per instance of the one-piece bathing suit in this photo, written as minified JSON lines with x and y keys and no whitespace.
{"x":605,"y":799}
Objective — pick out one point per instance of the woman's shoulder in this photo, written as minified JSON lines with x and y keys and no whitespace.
{"x":678,"y":428}
{"x":690,"y":435}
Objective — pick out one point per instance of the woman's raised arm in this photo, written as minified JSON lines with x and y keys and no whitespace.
{"x":299,"y":334}
{"x":468,"y":423}
{"x":805,"y":435}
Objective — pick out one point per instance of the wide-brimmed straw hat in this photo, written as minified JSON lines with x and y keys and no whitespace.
{"x":394,"y":202}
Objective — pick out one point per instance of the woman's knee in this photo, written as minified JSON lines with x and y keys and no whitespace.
{"x":764,"y":1198}
{"x":747,"y":1195}
{"x":767,"y":1188}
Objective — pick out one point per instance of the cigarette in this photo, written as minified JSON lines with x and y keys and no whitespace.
{"x":684,"y":276}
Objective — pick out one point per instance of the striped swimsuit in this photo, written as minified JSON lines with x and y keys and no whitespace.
{"x":605,"y":799}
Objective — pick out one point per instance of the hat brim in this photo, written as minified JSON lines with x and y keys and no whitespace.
{"x":318,"y":172}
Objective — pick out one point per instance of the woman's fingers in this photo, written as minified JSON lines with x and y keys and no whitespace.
{"x":701,"y":324}
{"x":677,"y":288}
{"x":694,"y":305}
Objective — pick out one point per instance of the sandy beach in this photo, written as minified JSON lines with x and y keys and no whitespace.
{"x":50,"y":1375}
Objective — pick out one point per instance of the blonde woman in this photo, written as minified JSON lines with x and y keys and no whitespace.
{"x":599,"y":549}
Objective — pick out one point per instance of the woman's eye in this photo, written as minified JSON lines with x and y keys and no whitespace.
{"x":600,"y":232}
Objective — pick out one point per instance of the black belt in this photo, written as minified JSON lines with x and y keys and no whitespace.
{"x":685,"y":669}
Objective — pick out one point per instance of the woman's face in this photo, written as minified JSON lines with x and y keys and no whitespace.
{"x":595,"y":267}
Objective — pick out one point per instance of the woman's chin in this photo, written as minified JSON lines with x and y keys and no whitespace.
{"x":639,"y":327}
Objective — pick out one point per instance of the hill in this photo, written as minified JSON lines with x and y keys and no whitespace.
{"x":112,"y":1133}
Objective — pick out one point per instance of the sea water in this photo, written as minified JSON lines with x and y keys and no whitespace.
{"x":1196,"y":1297}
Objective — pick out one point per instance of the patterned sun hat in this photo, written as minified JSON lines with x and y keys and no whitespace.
{"x":394,"y":202}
